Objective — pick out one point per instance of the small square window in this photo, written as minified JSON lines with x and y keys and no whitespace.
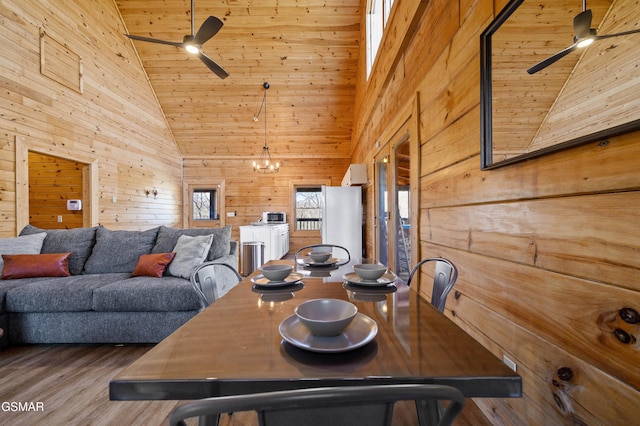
{"x":205,"y":204}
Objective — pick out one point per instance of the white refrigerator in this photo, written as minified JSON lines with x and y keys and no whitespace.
{"x":342,"y":218}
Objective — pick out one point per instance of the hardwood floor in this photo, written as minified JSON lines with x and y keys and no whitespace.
{"x":69,"y":384}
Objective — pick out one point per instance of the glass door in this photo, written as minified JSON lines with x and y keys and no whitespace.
{"x":402,"y":208}
{"x":382,"y":215}
{"x":393,"y":197}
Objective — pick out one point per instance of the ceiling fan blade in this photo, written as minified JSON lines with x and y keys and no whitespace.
{"x":208,"y":29}
{"x":623,"y":33}
{"x":582,"y":23}
{"x":154,"y":40}
{"x":217,"y":69}
{"x":552,"y":59}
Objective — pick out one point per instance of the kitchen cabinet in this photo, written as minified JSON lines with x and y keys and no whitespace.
{"x":274,"y":237}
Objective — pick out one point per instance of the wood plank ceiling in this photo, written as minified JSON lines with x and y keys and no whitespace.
{"x":306,"y":50}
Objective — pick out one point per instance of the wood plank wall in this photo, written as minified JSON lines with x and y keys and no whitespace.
{"x":547,"y":249}
{"x":53,"y":181}
{"x":248,"y":194}
{"x":116,"y":118}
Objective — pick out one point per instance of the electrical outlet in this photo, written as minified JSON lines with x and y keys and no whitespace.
{"x":60,"y":219}
{"x":509,"y":362}
{"x":231,"y":214}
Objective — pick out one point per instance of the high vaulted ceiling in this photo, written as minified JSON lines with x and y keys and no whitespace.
{"x":307,"y":51}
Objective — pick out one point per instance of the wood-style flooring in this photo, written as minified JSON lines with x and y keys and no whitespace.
{"x":69,"y":385}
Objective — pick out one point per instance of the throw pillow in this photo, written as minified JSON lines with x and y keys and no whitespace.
{"x":152,"y":265}
{"x":28,"y":244}
{"x":119,"y":251}
{"x":168,"y":237}
{"x":35,"y":265}
{"x":190,"y":252}
{"x":79,"y":241}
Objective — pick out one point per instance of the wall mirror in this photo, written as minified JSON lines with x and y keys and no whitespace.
{"x":588,"y":94}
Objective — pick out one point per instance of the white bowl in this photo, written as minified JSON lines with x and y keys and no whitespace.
{"x":326,"y":317}
{"x":320,"y":256}
{"x":370,"y":271}
{"x":276,"y":272}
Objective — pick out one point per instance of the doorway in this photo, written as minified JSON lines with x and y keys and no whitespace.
{"x":397,"y":192}
{"x":393,"y":206}
{"x":52,"y":182}
{"x":88,"y":165}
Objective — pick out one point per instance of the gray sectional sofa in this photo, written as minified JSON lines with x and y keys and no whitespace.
{"x":108,"y":295}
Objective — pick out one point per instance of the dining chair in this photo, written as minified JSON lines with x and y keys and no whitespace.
{"x":203,"y":280}
{"x":341,"y":253}
{"x":444,"y":278}
{"x":351,"y":405}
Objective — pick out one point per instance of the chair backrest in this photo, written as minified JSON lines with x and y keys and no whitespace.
{"x":335,"y":406}
{"x":444,"y":278}
{"x":339,"y":252}
{"x":207,"y":286}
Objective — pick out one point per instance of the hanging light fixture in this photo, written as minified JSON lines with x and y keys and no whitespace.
{"x":265,"y":164}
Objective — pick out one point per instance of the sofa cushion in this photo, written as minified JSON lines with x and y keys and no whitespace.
{"x":190,"y":252}
{"x":168,"y":237}
{"x":119,"y":251}
{"x":146,"y":294}
{"x":72,"y":294}
{"x":27,"y":244}
{"x":152,"y":265}
{"x":79,"y":241}
{"x":35,"y":265}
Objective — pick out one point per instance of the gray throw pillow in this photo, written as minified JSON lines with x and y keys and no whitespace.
{"x":190,"y":252}
{"x":221,"y":245}
{"x":78,"y":241}
{"x":119,"y":251}
{"x":27,"y":244}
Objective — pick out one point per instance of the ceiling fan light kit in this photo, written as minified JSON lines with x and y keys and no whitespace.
{"x":584,"y":36}
{"x":193,"y":42}
{"x":265,"y":163}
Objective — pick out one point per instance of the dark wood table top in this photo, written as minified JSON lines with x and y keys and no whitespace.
{"x":234,"y":347}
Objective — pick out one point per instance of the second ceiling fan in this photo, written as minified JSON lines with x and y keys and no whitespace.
{"x":584,"y":36}
{"x":193,"y":42}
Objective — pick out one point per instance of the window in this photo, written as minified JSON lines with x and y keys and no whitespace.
{"x":205,"y":204}
{"x":377,"y":17}
{"x":308,"y":208}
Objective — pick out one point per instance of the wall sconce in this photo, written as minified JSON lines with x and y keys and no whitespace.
{"x":151,"y":191}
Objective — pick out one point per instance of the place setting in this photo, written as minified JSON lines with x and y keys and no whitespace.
{"x":328,"y":326}
{"x":370,"y":275}
{"x":277,"y":277}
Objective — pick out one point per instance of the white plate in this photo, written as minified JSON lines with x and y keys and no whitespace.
{"x":262,"y":281}
{"x":310,"y":262}
{"x":360,"y":332}
{"x":386,"y":279}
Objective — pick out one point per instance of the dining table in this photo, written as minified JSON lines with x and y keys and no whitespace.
{"x":250,"y":341}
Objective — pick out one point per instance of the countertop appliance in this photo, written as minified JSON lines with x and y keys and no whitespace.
{"x":342,"y":218}
{"x":274,"y":217}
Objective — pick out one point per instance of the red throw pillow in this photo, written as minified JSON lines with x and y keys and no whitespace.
{"x":35,"y":265}
{"x":153,"y":265}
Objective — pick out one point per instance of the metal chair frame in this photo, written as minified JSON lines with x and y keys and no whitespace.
{"x":350,"y":405}
{"x":203,"y":280}
{"x":444,"y":278}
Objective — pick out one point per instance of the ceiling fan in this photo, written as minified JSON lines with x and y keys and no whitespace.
{"x":584,"y":36}
{"x":193,"y":42}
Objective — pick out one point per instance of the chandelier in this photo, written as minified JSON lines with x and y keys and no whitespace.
{"x":265,"y":164}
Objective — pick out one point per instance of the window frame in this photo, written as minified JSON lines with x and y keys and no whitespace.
{"x":375,"y":28}
{"x":187,"y":203}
